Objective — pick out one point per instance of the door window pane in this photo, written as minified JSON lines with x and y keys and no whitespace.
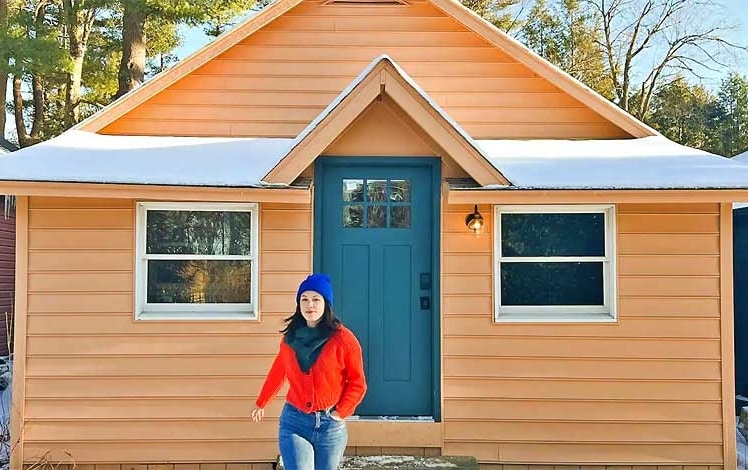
{"x":353,"y":216}
{"x":400,"y":191}
{"x":353,"y":190}
{"x":550,"y":234}
{"x":552,"y":283}
{"x":400,"y":217}
{"x":377,"y":217}
{"x":376,"y":190}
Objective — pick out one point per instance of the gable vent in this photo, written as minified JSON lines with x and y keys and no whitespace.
{"x":365,"y":2}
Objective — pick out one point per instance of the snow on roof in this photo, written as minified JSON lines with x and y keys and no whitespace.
{"x":741,"y":157}
{"x":86,"y":157}
{"x":646,"y":163}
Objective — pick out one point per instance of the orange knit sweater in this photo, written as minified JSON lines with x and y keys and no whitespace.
{"x":335,"y":379}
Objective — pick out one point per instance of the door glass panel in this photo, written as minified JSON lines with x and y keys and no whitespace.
{"x":377,"y":217}
{"x":376,"y":190}
{"x":353,"y":190}
{"x":386,"y":203}
{"x":353,"y":216}
{"x":400,"y":191}
{"x":400,"y":217}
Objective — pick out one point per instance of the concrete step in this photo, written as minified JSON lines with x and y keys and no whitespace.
{"x":404,"y":462}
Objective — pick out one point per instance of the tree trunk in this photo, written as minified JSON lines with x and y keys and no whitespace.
{"x":3,"y":92}
{"x":78,"y":22}
{"x":132,"y":67}
{"x":24,"y":138}
{"x":38,"y":95}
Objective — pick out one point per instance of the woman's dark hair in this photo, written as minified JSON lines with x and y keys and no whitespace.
{"x":328,"y":321}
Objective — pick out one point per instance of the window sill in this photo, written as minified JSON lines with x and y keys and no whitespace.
{"x":196,"y":316}
{"x":554,"y":318}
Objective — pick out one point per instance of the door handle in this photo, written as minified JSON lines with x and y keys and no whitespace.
{"x":425,"y":303}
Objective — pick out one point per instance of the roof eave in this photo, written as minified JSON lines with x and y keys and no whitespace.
{"x":287,"y":194}
{"x":520,"y":195}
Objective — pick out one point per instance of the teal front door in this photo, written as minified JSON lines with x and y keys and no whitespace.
{"x":374,"y":234}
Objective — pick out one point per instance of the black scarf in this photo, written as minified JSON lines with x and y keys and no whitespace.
{"x":307,"y":343}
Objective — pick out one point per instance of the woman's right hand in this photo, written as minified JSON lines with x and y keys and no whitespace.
{"x":258,"y":414}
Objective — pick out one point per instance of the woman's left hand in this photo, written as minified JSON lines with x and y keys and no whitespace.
{"x":334,"y":415}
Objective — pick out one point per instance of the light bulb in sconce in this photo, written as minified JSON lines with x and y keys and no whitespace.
{"x":474,"y":221}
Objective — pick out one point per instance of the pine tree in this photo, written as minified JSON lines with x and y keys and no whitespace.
{"x":731,"y":115}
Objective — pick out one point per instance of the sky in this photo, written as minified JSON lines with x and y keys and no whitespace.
{"x":733,"y":11}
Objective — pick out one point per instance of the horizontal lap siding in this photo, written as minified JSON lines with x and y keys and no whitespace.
{"x":7,"y":278}
{"x":276,"y":81}
{"x":109,"y":389}
{"x":644,"y":390}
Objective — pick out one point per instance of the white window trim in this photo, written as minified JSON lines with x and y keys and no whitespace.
{"x":559,"y":313}
{"x":233,"y":311}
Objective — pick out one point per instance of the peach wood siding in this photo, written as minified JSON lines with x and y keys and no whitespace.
{"x":108,"y":389}
{"x":277,"y":80}
{"x":645,"y":390}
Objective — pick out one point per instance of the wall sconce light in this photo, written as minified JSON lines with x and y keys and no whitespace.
{"x":474,"y":221}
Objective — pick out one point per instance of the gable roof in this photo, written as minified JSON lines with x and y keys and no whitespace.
{"x":384,"y":77}
{"x":453,"y":8}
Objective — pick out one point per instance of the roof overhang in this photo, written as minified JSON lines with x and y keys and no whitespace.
{"x":80,"y":163}
{"x":300,"y":195}
{"x":592,"y":196}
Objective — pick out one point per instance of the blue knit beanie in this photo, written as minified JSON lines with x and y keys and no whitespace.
{"x":319,"y":283}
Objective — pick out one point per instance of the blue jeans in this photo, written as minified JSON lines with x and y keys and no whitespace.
{"x":310,"y":441}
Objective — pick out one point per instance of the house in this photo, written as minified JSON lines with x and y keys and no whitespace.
{"x":7,"y":261}
{"x":536,"y":277}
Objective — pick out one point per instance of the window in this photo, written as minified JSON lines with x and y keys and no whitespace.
{"x":196,"y":261}
{"x":376,"y":203}
{"x":555,"y":263}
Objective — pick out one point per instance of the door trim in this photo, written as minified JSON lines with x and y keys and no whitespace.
{"x":434,"y":164}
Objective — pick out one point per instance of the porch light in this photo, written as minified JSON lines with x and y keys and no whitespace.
{"x":474,"y":221}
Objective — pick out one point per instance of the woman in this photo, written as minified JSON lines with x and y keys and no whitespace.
{"x":323,"y":363}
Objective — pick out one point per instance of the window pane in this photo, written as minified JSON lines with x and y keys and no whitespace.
{"x":552,"y":283}
{"x":199,"y":281}
{"x":565,"y":234}
{"x":377,"y":217}
{"x":353,"y":190}
{"x":400,"y":190}
{"x":198,"y":232}
{"x":400,"y":217}
{"x":353,"y":216}
{"x":376,"y":190}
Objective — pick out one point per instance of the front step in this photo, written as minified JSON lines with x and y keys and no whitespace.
{"x":404,"y":462}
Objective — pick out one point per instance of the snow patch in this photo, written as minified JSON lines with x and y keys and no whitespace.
{"x":646,"y":163}
{"x":86,"y":157}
